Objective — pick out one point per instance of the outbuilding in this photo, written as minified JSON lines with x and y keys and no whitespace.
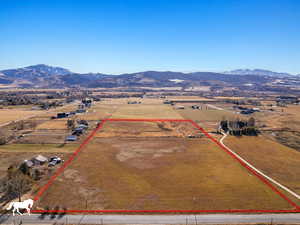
{"x":71,"y":138}
{"x":39,"y":160}
{"x":29,"y":163}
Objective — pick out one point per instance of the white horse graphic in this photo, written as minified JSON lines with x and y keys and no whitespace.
{"x":27,"y":204}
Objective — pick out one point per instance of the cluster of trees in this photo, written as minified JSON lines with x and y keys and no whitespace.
{"x":19,"y":100}
{"x":4,"y":137}
{"x":10,"y":131}
{"x":33,"y":98}
{"x":239,"y":127}
{"x":243,"y":102}
{"x":15,"y":184}
{"x":48,"y":105}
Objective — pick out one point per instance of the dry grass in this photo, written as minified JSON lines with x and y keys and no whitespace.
{"x":276,"y":160}
{"x":146,"y":111}
{"x":53,"y":124}
{"x":283,"y":125}
{"x":38,"y":148}
{"x":147,"y":129}
{"x":189,"y":98}
{"x":99,"y":110}
{"x":208,"y":118}
{"x":158,"y":173}
{"x":8,"y":115}
{"x":21,"y":113}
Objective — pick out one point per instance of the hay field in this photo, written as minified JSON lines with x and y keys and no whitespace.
{"x":276,"y":160}
{"x":38,"y":148}
{"x":147,"y":129}
{"x":16,"y":113}
{"x":9,"y":115}
{"x":158,"y":173}
{"x":53,"y":124}
{"x":99,"y":111}
{"x":142,"y":111}
{"x":189,"y":98}
{"x":282,"y":125}
{"x":207,"y":118}
{"x":291,"y":117}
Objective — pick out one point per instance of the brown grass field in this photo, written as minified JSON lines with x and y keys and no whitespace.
{"x":208,"y":118}
{"x":276,"y":160}
{"x":16,"y":113}
{"x":53,"y":124}
{"x":142,"y":111}
{"x":282,"y":125}
{"x":158,"y":173}
{"x":38,"y":148}
{"x":143,"y":165}
{"x":148,"y":129}
{"x":8,"y":115}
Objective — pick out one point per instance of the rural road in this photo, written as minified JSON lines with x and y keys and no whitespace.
{"x":154,"y":219}
{"x":257,"y":170}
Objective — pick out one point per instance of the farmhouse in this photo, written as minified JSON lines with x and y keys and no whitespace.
{"x":39,"y":160}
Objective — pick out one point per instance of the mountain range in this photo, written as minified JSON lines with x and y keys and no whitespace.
{"x":44,"y":76}
{"x":258,"y":72}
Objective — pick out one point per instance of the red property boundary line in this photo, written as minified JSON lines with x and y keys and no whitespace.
{"x":100,"y":125}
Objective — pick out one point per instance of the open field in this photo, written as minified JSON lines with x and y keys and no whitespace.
{"x":146,"y":112}
{"x":208,"y":118}
{"x":8,"y":115}
{"x":148,"y":129}
{"x":140,"y":173}
{"x":53,"y":124}
{"x":157,"y":165}
{"x":18,"y":113}
{"x":282,"y":125}
{"x":38,"y":148}
{"x":276,"y":160}
{"x":100,"y":110}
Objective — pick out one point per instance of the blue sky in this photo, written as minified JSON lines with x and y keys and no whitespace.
{"x":115,"y":36}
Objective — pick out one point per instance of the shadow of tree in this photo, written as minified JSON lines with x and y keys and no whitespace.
{"x":62,"y":214}
{"x":54,"y":213}
{"x":45,"y":213}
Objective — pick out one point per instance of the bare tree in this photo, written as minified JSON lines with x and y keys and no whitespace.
{"x":3,"y":138}
{"x":71,"y":124}
{"x":17,"y":183}
{"x":251,"y":122}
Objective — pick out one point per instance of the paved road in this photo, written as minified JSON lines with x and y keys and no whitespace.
{"x":154,"y":219}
